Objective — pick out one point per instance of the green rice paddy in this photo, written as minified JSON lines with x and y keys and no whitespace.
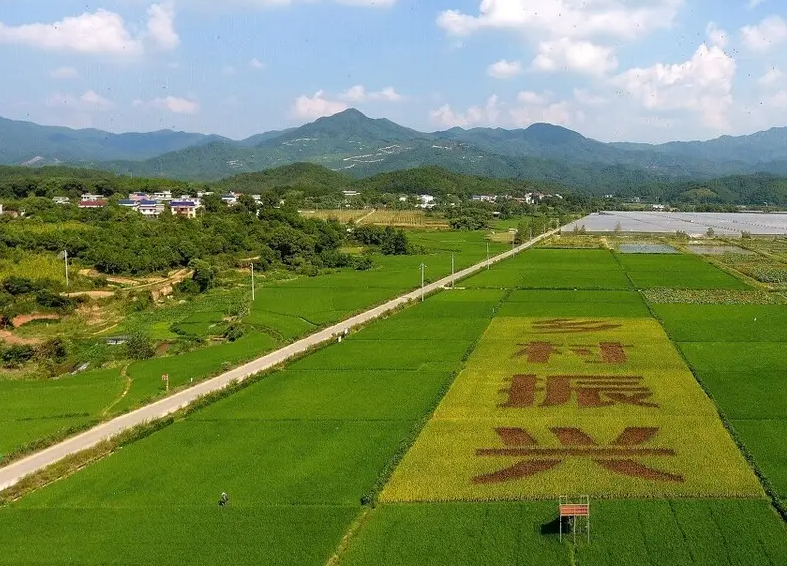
{"x":303,"y":451}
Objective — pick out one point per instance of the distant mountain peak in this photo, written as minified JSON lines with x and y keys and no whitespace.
{"x":550,"y":133}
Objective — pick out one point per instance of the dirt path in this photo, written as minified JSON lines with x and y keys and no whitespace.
{"x":9,"y":338}
{"x":365,"y":216}
{"x":92,"y":294}
{"x":126,"y":389}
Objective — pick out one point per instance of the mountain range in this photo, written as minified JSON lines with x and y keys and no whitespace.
{"x":353,"y":143}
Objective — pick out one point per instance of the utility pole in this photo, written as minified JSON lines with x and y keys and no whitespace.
{"x":531,"y":232}
{"x":252,"y":282}
{"x":422,"y":280}
{"x":453,"y":284}
{"x":65,"y":260}
{"x":487,"y":256}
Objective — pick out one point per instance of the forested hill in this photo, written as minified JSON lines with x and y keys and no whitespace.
{"x":350,"y":142}
{"x":316,"y":182}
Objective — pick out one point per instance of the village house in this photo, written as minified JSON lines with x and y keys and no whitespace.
{"x":185,"y":208}
{"x":128,"y":203}
{"x":150,"y":208}
{"x":427,"y":201}
{"x":92,"y":203}
{"x":88,"y":196}
{"x":61,"y":200}
{"x":485,"y":198}
{"x":230,"y":199}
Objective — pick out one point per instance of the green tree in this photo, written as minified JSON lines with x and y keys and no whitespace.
{"x":139,"y":346}
{"x":204,"y":274}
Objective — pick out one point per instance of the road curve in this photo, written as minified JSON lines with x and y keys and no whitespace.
{"x":14,"y":472}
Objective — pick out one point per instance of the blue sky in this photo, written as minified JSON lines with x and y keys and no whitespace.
{"x":636,"y":70}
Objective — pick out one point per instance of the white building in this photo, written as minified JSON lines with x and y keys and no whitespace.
{"x":150,"y":208}
{"x":61,"y":200}
{"x":427,"y":201}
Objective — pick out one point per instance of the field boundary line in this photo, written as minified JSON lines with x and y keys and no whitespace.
{"x":364,"y":217}
{"x":17,"y":470}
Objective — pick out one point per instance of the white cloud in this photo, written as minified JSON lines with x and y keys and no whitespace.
{"x":530,"y":107}
{"x":555,"y":113}
{"x":369,"y":3}
{"x":256,"y":64}
{"x":316,"y":106}
{"x":535,"y":107}
{"x":769,"y":32}
{"x":585,"y":98}
{"x":229,"y":71}
{"x":566,"y":18}
{"x":703,"y":85}
{"x":64,"y":73}
{"x":90,"y":101}
{"x":716,"y":35}
{"x":170,"y":103}
{"x":97,"y":33}
{"x":770,"y":77}
{"x":355,"y":93}
{"x":161,"y":26}
{"x":573,"y":55}
{"x":754,"y":3}
{"x":358,"y":93}
{"x":504,"y":69}
{"x":487,"y":115}
{"x":284,"y":3}
{"x":778,"y":100}
{"x":530,"y":97}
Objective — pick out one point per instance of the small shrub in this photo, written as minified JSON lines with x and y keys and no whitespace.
{"x":17,"y":355}
{"x":235,"y":331}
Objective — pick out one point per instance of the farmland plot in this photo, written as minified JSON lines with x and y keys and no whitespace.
{"x":296,"y":452}
{"x":677,"y":271}
{"x":555,"y":269}
{"x":739,"y":352}
{"x":655,"y":532}
{"x":548,"y":406}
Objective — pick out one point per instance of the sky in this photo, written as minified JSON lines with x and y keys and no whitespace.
{"x":614,"y":70}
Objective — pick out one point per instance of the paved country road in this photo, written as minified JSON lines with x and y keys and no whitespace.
{"x":14,"y":472}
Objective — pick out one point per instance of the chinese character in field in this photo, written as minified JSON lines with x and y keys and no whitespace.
{"x":590,"y":391}
{"x":619,"y":457}
{"x":569,"y":326}
{"x":604,"y":353}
